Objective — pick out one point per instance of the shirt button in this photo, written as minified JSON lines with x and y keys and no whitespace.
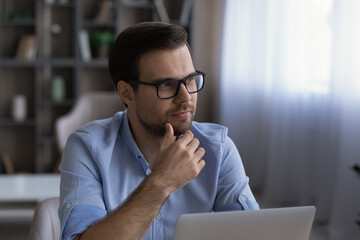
{"x":243,"y":199}
{"x":158,"y":217}
{"x":69,"y":205}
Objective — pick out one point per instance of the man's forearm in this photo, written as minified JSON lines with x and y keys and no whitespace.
{"x":134,"y":217}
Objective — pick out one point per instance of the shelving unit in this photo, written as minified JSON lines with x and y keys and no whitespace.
{"x":55,"y":25}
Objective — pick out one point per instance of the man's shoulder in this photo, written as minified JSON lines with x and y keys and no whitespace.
{"x":102,"y":124}
{"x":103,"y":128}
{"x":211,"y":131}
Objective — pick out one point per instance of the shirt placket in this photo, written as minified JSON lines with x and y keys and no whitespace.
{"x":158,"y":226}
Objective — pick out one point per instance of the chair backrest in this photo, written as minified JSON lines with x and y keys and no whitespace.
{"x":90,"y":106}
{"x":46,"y":223}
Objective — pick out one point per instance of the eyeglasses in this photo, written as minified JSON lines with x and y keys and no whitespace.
{"x":169,"y":88}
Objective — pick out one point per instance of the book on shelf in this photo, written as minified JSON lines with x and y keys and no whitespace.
{"x":2,"y":165}
{"x":104,"y":11}
{"x":84,"y":44}
{"x":186,"y":12}
{"x":26,"y":49}
{"x":161,"y":9}
{"x":6,"y":165}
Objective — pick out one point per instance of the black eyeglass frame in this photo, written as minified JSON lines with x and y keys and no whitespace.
{"x":178,"y":86}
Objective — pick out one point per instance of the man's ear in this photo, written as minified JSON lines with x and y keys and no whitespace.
{"x":126,"y":92}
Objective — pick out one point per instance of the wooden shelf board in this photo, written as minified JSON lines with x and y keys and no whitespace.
{"x":61,"y":62}
{"x":95,"y":24}
{"x":13,"y":62}
{"x":24,"y":23}
{"x":51,"y":103}
{"x":11,"y":122}
{"x":95,"y":63}
{"x":49,"y":140}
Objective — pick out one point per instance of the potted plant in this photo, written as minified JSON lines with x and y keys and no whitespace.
{"x":100,"y":42}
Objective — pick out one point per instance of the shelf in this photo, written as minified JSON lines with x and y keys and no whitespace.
{"x":13,"y":62}
{"x":137,"y":4}
{"x":46,"y":141}
{"x":22,"y":23}
{"x":70,"y":4}
{"x":51,"y":103}
{"x":98,"y":63}
{"x":57,"y":69}
{"x":96,"y":24}
{"x":59,"y":62}
{"x":11,"y":122}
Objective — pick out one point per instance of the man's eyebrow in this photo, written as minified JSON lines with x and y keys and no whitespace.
{"x":158,"y":80}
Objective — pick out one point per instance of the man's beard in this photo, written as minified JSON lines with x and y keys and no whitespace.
{"x":157,"y":129}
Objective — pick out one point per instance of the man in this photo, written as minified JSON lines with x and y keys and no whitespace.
{"x":131,"y":176}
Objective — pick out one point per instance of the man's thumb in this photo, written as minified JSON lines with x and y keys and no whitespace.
{"x":169,"y":133}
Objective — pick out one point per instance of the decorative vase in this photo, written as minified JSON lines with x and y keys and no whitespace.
{"x":19,"y":108}
{"x":58,"y":89}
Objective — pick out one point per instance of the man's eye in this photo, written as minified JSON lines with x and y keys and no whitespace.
{"x":190,"y":80}
{"x":170,"y":83}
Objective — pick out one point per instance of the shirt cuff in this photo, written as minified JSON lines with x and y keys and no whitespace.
{"x":247,"y":204}
{"x":79,"y":219}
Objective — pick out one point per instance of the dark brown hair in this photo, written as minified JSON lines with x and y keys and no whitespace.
{"x":138,"y":39}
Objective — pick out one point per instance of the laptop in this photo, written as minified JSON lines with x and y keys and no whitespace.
{"x":292,"y":223}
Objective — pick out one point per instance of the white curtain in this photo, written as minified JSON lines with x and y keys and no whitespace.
{"x":290,"y":95}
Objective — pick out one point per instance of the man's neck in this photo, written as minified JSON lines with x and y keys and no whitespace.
{"x":146,"y":142}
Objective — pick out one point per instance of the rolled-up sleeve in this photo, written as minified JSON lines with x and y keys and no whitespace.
{"x":81,"y":196}
{"x":233,"y":190}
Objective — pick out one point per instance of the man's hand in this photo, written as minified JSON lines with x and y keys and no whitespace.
{"x":178,"y":161}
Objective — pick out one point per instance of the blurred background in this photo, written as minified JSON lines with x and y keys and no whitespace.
{"x":282,"y":75}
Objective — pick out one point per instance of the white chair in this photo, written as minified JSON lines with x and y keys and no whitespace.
{"x":46,"y":223}
{"x":90,"y":106}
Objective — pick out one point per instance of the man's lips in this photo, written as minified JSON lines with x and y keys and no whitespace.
{"x":182,"y":114}
{"x":182,"y":111}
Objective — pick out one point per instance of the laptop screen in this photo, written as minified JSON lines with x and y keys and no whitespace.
{"x":271,"y":224}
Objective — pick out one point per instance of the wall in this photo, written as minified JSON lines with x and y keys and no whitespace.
{"x":206,"y":42}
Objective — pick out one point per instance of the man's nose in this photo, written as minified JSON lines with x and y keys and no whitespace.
{"x":183,"y":94}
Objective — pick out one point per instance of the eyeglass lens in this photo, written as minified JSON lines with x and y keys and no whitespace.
{"x":169,"y":88}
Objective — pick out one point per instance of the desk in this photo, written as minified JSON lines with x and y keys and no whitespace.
{"x":19,"y":193}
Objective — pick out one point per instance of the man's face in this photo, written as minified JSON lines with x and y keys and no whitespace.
{"x":153,"y":112}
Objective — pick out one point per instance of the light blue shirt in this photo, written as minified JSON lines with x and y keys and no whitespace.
{"x":102,"y":166}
